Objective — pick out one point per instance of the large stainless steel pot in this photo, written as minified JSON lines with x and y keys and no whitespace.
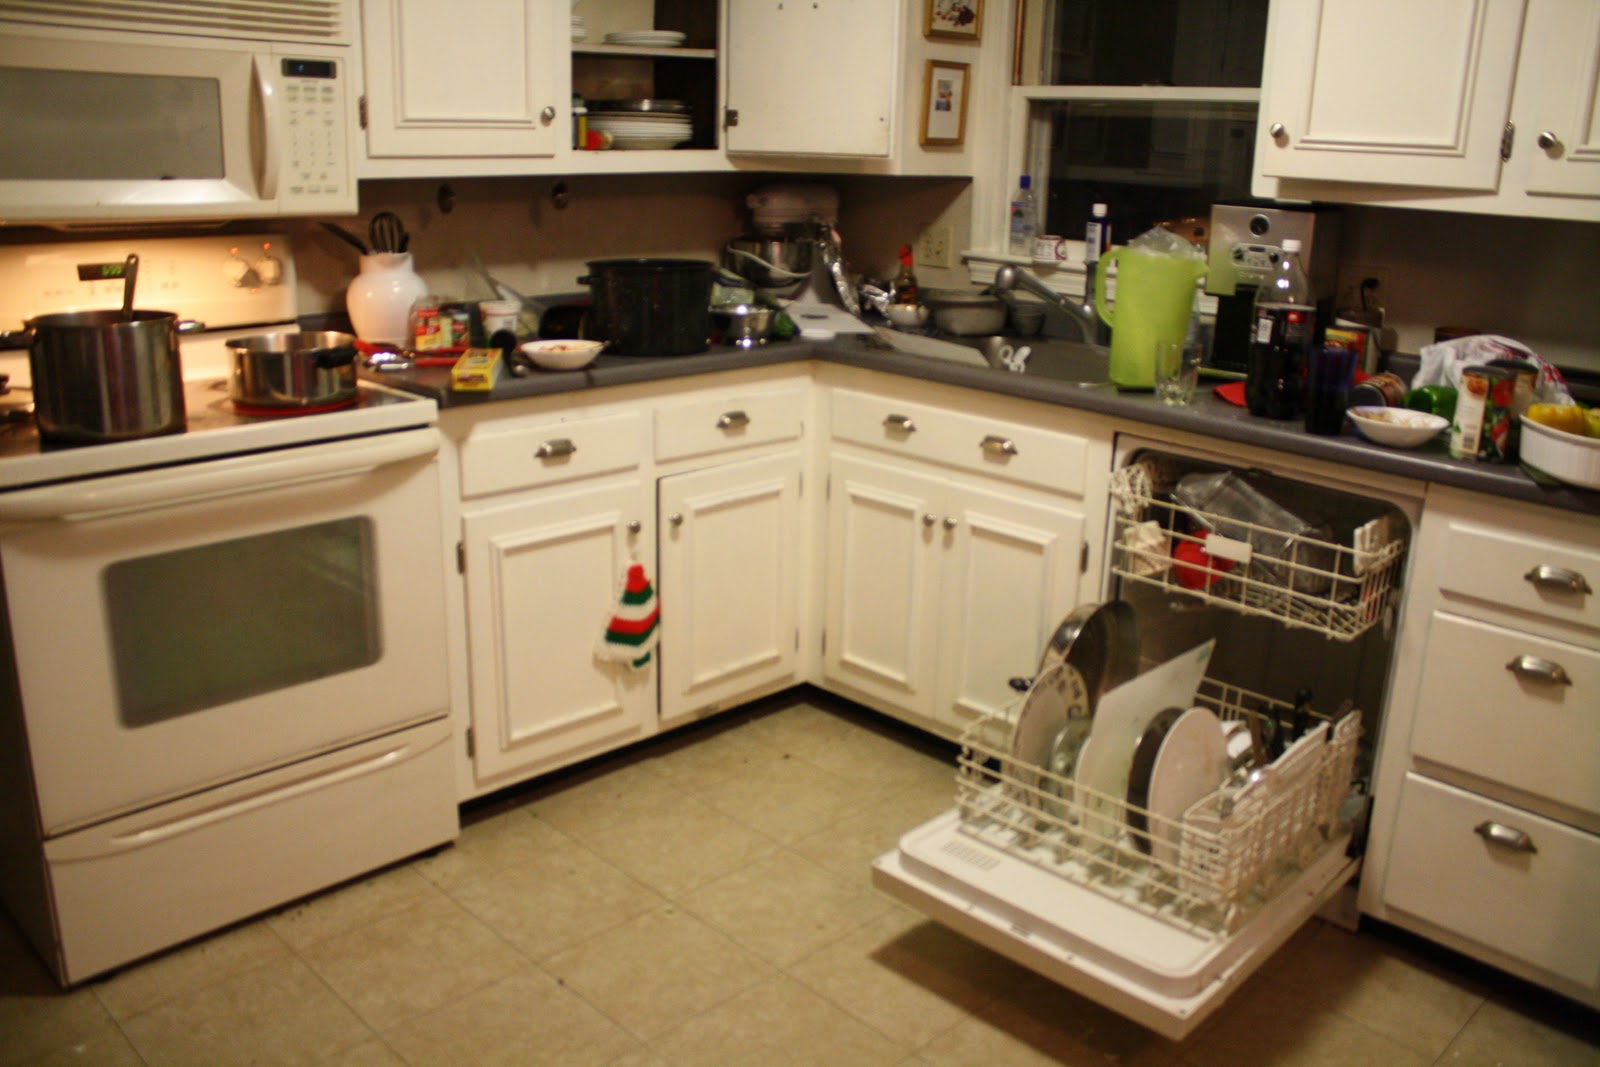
{"x":292,"y":369}
{"x":101,"y":376}
{"x":651,"y":307}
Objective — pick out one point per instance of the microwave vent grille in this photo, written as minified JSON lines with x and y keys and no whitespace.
{"x":320,"y":21}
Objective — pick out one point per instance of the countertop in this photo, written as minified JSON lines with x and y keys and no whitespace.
{"x":1209,"y":416}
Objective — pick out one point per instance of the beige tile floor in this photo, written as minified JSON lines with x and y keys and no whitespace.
{"x":704,"y":900}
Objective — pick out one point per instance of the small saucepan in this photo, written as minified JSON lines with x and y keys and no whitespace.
{"x":292,"y":369}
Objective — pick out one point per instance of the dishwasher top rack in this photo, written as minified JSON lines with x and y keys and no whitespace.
{"x":1310,"y":582}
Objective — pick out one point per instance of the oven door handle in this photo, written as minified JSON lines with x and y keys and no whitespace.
{"x":98,"y":498}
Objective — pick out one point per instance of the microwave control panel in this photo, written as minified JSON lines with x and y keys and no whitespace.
{"x":315,"y":173}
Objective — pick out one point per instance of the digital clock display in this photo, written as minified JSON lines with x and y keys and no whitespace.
{"x":95,"y":272}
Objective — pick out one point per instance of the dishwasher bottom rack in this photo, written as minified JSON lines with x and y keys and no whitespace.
{"x":1207,"y":870}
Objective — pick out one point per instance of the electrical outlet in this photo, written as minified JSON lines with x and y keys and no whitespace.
{"x":1353,"y":276}
{"x":933,"y":247}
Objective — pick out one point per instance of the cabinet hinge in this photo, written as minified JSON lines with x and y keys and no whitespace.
{"x":827,"y":488}
{"x":824,"y":642}
{"x":472,"y":743}
{"x":1083,"y":558}
{"x":730,"y":117}
{"x":461,"y":557}
{"x":361,"y":109}
{"x":1506,"y":138}
{"x":797,"y":639}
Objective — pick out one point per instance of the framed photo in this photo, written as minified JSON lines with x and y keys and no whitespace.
{"x":944,"y":102}
{"x":960,"y":20}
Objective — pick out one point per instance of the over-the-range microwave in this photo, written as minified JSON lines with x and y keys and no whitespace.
{"x":185,"y":110}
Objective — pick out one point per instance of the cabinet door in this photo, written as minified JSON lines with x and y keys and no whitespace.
{"x":1352,"y":93}
{"x":1010,"y":572}
{"x":464,"y":77}
{"x":729,"y":580}
{"x":815,"y":78}
{"x":543,"y":579}
{"x":1563,"y":84}
{"x":884,"y":542}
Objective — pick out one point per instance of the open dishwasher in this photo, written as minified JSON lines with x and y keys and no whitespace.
{"x":1154,"y":818}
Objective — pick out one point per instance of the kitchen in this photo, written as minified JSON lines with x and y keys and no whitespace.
{"x":536,"y":246}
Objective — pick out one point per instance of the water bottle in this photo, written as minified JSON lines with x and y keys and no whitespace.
{"x":1024,"y":219}
{"x":1285,"y":326}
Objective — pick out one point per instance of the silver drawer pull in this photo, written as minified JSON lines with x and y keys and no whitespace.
{"x":902,"y":423}
{"x":733,"y":420}
{"x":1540,"y":670}
{"x":555,"y":448}
{"x":998,"y":446}
{"x":1558,"y":578}
{"x":1505,"y":836}
{"x":928,"y":519}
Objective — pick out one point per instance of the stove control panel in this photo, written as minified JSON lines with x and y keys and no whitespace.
{"x":222,"y":280}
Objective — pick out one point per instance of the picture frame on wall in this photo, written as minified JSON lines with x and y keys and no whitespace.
{"x":959,"y":20}
{"x":944,"y":103}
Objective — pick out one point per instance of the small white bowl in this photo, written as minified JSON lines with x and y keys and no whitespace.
{"x":562,"y":354}
{"x":906,"y":316}
{"x":1564,"y":456}
{"x":1396,"y":427}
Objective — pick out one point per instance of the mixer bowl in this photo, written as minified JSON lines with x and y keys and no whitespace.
{"x":781,"y":265}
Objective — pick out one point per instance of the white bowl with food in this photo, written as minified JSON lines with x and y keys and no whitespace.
{"x":562,"y":354}
{"x":1566,"y":457}
{"x":1396,"y":427}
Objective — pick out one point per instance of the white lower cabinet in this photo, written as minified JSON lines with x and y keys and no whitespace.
{"x":730,"y":566}
{"x":543,"y":577}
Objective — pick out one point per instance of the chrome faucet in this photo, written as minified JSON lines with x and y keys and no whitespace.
{"x":1009,"y":277}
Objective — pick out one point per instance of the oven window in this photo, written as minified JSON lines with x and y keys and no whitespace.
{"x":229,"y":620}
{"x":123,"y":127}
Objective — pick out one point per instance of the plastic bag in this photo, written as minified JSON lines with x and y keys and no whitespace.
{"x":1163,"y":241}
{"x":1443,"y":361}
{"x":1286,"y":549}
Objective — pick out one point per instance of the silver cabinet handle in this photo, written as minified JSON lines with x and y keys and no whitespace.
{"x":548,"y":114}
{"x":1558,"y":578}
{"x":1497,"y":833}
{"x":902,"y":423}
{"x":733,"y":420}
{"x":1279,"y":133}
{"x":555,"y":448}
{"x":676,"y":519}
{"x":1547,"y":140}
{"x":949,"y":523}
{"x":929,"y":519}
{"x":1540,"y":670}
{"x":634,"y":526}
{"x":998,"y":446}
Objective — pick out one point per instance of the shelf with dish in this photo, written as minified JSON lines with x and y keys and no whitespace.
{"x":629,"y":51}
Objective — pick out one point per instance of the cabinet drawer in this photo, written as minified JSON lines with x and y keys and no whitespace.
{"x":1557,"y":576}
{"x":1516,"y":726}
{"x":1535,"y":906}
{"x":971,"y":442}
{"x":729,"y":421}
{"x":496,"y":459}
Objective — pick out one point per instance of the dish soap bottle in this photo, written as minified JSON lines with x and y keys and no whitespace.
{"x":1285,"y":325}
{"x":905,"y":282}
{"x":1024,"y":219}
{"x":1096,"y":242}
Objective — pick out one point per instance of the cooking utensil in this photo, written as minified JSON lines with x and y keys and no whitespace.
{"x":347,"y":237}
{"x":98,"y":377}
{"x":965,"y":313}
{"x":387,"y":233}
{"x":292,"y":369}
{"x":130,"y":274}
{"x":651,"y":307}
{"x":744,"y":325}
{"x":1101,"y":641}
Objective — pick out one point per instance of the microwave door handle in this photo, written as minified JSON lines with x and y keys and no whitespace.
{"x":100,"y":498}
{"x":267,"y":98}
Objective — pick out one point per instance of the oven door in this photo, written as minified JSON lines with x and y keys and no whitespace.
{"x":181,"y":628}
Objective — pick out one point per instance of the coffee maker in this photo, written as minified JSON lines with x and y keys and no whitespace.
{"x":1246,"y":242}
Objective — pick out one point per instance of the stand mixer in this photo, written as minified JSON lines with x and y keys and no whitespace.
{"x":791,"y":256}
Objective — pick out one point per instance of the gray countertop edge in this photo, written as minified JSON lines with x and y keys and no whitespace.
{"x":1209,"y":416}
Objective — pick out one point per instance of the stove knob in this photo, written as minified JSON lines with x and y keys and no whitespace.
{"x":238,"y":272}
{"x":269,"y":269}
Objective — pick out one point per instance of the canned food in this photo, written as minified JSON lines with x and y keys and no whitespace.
{"x":1482,"y":421}
{"x":1379,"y":390}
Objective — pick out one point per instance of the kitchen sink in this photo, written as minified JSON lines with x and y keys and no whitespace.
{"x":1050,"y":357}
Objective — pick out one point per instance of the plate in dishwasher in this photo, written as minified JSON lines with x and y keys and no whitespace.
{"x":1157,"y":973}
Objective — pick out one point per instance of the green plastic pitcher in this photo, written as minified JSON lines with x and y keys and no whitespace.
{"x":1155,"y":297}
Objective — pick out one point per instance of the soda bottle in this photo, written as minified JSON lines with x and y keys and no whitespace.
{"x":1285,"y":326}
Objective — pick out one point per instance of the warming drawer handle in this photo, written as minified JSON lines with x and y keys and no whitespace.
{"x":1558,"y":578}
{"x":98,"y":498}
{"x":555,"y":448}
{"x":733,"y":420}
{"x":902,"y":423}
{"x":1539,"y":670}
{"x":996,"y":445}
{"x":1497,"y":833}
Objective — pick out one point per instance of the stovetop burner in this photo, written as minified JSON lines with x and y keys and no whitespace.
{"x":257,"y":412}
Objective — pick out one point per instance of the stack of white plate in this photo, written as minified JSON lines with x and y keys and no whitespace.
{"x":580,"y":32}
{"x":646,"y":38}
{"x":642,"y":130}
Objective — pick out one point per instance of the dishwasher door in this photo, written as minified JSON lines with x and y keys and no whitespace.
{"x":1016,"y":865}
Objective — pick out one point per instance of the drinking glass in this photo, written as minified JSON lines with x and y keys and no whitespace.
{"x":1177,"y":371}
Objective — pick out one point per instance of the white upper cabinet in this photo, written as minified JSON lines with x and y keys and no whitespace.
{"x":1484,"y":105}
{"x":1404,"y":92}
{"x":812,"y":78}
{"x":465,"y":78}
